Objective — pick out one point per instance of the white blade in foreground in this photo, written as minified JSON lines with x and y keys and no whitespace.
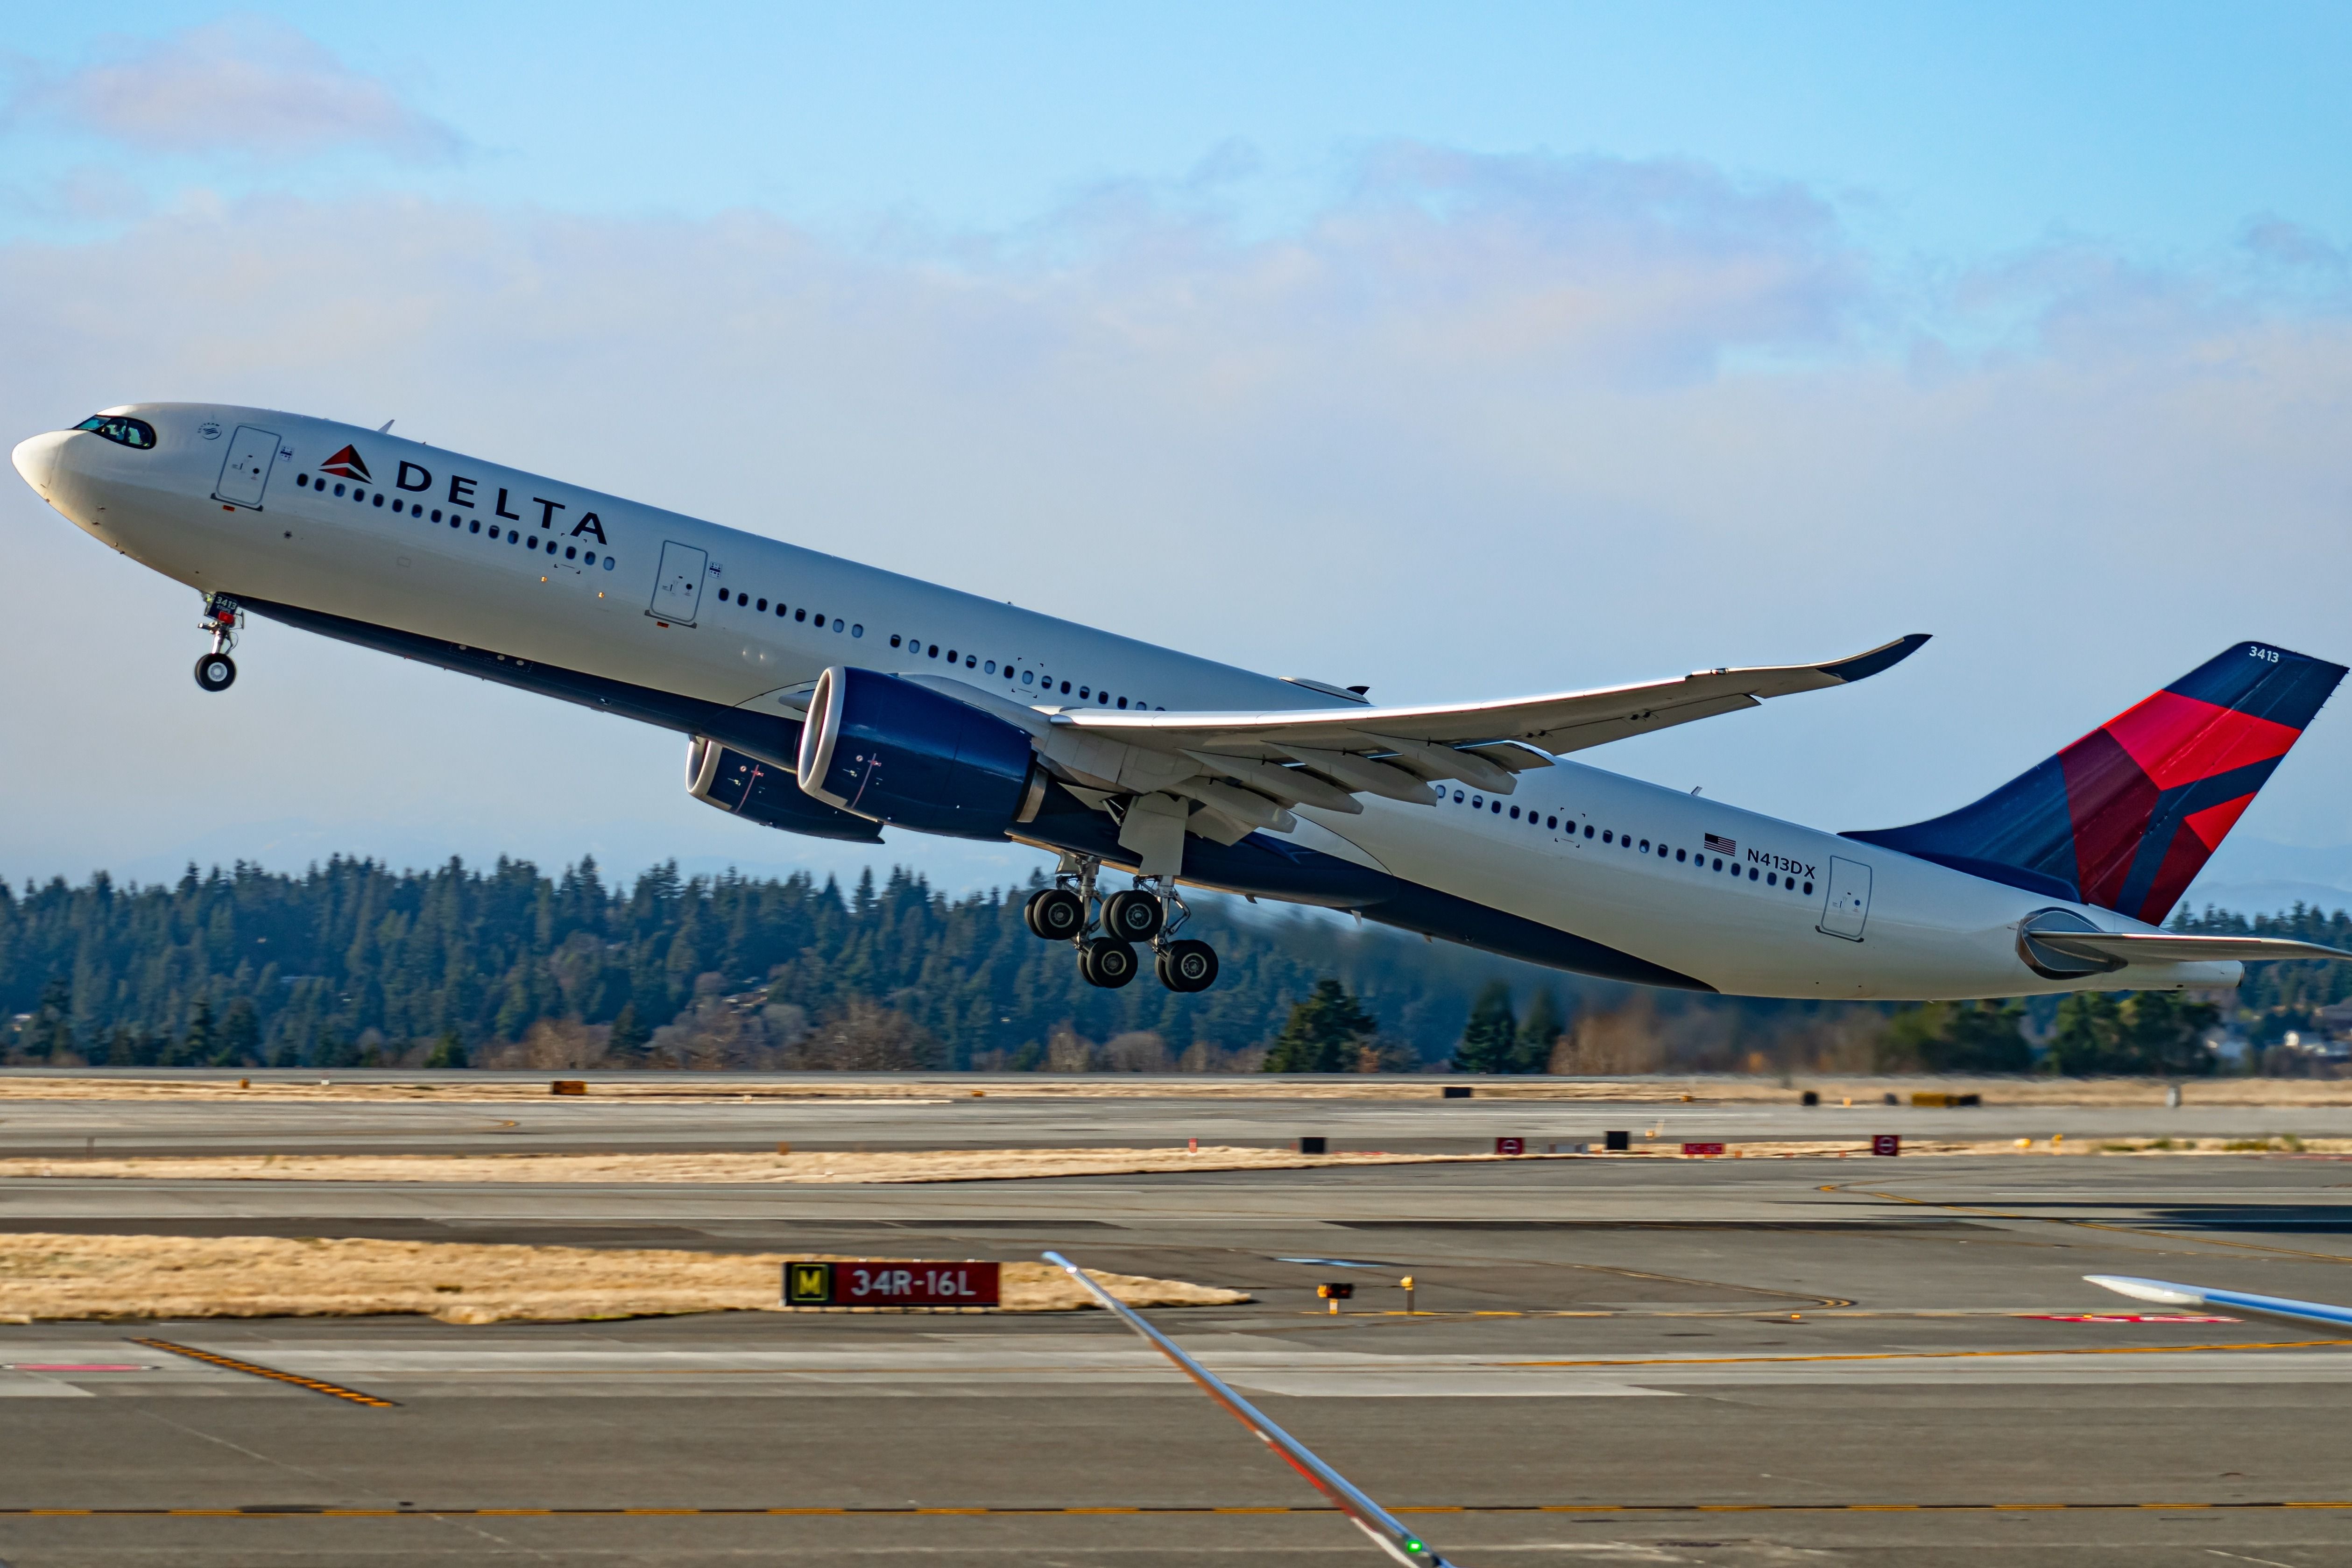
{"x":1369,"y":1515}
{"x":2166,"y":1293}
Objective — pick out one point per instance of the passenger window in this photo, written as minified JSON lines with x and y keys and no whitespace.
{"x":379,"y":498}
{"x":437,"y":514}
{"x":1609,"y":837}
{"x":301,"y":481}
{"x":1809,"y":887}
{"x":1718,"y":866}
{"x":571,"y":551}
{"x":800,"y":615}
{"x":590,"y":558}
{"x":1478,"y":801}
{"x":1122,"y":701}
{"x":339,"y":489}
{"x":894,"y":639}
{"x":1027,"y":676}
{"x":762,"y":605}
{"x":722,"y":593}
{"x":1514,"y":814}
{"x":836,"y":623}
{"x":779,"y":603}
{"x":1102,"y":698}
{"x":1496,"y":808}
{"x":1680,"y":854}
{"x":856,"y":631}
{"x":1551,"y":822}
{"x":1066,"y":689}
{"x":1751,"y":873}
{"x":1457,"y":797}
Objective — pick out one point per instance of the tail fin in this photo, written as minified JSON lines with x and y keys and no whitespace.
{"x":2127,"y":815}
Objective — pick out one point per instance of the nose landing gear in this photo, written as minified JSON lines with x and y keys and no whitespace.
{"x":1106,"y":946}
{"x":217,"y":672}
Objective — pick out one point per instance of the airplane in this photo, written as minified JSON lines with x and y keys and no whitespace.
{"x":824,"y":697}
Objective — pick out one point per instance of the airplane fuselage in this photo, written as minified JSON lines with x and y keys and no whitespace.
{"x":714,"y":630}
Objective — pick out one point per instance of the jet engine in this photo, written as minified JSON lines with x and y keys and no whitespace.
{"x":897,"y":752}
{"x":720,"y":777}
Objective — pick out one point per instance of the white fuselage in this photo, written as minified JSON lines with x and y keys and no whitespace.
{"x":496,"y":559}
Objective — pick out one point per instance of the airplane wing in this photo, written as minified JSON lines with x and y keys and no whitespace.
{"x":2164,"y":1292}
{"x":1374,"y":1520}
{"x":1393,"y":751}
{"x":2148,"y":947}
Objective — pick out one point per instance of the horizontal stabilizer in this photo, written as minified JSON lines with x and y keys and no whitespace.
{"x":2164,"y":1292}
{"x":1366,"y":1515}
{"x":2152,"y":948}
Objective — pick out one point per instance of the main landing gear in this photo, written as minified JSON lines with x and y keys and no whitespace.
{"x":217,"y":672}
{"x":1106,"y":945}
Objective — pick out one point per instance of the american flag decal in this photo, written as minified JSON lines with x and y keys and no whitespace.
{"x":1716,"y":846}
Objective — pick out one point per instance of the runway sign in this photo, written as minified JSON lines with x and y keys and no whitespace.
{"x":867,"y":1283}
{"x":1703,"y":1151}
{"x":1886,"y":1143}
{"x":1510,"y":1145}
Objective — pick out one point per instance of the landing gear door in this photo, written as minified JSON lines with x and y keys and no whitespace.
{"x":677,"y":590}
{"x":1848,"y":904}
{"x":245,"y":472}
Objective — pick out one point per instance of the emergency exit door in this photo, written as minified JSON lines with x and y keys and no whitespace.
{"x":1847,"y":907}
{"x":245,"y":472}
{"x":678,"y":588}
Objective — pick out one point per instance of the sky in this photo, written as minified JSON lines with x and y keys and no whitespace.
{"x":1467,"y":352}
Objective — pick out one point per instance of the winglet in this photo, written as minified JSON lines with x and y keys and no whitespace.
{"x":2323,"y":1314}
{"x":1863,"y":666}
{"x":1366,"y":1515}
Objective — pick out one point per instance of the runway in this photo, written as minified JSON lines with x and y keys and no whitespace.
{"x":1429,"y":1125}
{"x":1751,"y":1362}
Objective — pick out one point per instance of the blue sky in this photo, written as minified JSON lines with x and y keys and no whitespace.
{"x":1466,"y":350}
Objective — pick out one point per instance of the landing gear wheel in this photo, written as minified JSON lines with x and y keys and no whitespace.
{"x":1106,"y":962}
{"x":1056,"y":914}
{"x":1187,"y":965}
{"x":1134,"y":915}
{"x":215,"y":672}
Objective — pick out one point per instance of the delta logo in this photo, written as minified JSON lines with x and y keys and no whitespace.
{"x":348,"y":464}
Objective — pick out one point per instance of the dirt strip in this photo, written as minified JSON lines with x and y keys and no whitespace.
{"x":2282,"y":1093}
{"x":50,"y":1278}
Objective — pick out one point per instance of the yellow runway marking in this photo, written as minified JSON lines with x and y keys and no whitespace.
{"x":253,"y":1369}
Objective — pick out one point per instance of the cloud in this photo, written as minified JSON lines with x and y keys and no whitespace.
{"x":248,"y":84}
{"x":1479,"y":427}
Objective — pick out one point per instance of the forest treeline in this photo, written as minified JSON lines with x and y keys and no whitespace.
{"x":351,"y":964}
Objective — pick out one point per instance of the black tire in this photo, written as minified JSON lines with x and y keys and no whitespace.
{"x":1187,"y":966}
{"x":1106,"y":962}
{"x":1056,"y":914}
{"x":215,"y":672}
{"x":1133,"y":916}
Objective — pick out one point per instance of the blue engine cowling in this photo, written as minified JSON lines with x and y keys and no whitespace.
{"x":717,"y":774}
{"x":902,"y":754}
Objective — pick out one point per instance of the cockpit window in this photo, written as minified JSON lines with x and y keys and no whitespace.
{"x":117,"y":428}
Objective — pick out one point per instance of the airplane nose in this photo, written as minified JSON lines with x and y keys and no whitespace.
{"x":37,"y":459}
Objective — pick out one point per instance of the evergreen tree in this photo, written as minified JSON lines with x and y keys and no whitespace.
{"x":195,"y":1048}
{"x":448,"y":1051}
{"x":1490,"y":1041}
{"x":630,"y":1037}
{"x":1323,"y":1033}
{"x":1537,"y":1031}
{"x":1956,"y":1037}
{"x":50,"y":1032}
{"x":239,"y":1035}
{"x":2146,"y":1033}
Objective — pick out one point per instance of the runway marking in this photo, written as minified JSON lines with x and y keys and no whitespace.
{"x":2093,"y":1225}
{"x":1936,"y":1355}
{"x":1620,"y":1510}
{"x":253,"y":1369}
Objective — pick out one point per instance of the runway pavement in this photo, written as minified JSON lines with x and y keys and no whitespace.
{"x":1751,"y":1362}
{"x":588,"y":1124}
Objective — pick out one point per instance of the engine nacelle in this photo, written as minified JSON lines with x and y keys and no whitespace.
{"x":902,"y":754}
{"x":717,"y":776}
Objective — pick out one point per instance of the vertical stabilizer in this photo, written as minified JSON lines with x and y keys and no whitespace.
{"x":2127,"y":815}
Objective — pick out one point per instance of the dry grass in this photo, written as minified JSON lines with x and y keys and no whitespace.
{"x":2284,"y":1093}
{"x":45,"y":1277}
